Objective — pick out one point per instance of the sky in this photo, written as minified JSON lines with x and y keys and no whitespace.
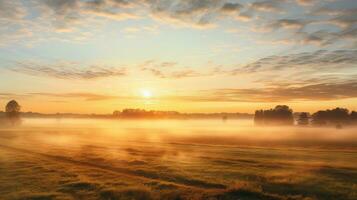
{"x":97,"y":56}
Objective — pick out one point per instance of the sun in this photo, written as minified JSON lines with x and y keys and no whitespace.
{"x":146,"y":93}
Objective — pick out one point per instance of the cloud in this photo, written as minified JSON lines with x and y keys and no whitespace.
{"x":301,"y":69}
{"x":8,"y":36}
{"x":157,"y":64}
{"x":321,"y":59}
{"x":244,"y":16}
{"x":316,"y":27}
{"x":288,"y":23}
{"x":69,"y":14}
{"x":64,"y":11}
{"x":67,"y":70}
{"x":294,"y":67}
{"x":327,"y":91}
{"x":9,"y":96}
{"x":174,"y":74}
{"x":317,"y":38}
{"x":78,"y":15}
{"x":192,"y":13}
{"x":348,"y":33}
{"x":268,"y":6}
{"x":11,"y":10}
{"x":279,"y":93}
{"x":84,"y":95}
{"x":325,"y":38}
{"x":168,"y":64}
{"x":111,"y":9}
{"x":231,"y":8}
{"x":153,"y":29}
{"x":184,"y":73}
{"x":305,"y":2}
{"x":173,"y":70}
{"x":345,"y":18}
{"x":12,"y":20}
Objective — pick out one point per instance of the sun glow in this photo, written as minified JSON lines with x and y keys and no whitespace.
{"x":146,"y":93}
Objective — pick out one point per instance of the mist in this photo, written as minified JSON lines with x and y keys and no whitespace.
{"x":210,"y":132}
{"x":174,"y":159}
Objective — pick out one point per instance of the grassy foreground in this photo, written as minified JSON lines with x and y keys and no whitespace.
{"x":184,"y":160}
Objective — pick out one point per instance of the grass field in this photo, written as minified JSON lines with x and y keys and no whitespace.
{"x":199,"y":159}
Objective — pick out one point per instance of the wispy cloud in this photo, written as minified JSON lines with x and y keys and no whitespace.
{"x":318,"y":60}
{"x":83,"y":95}
{"x":306,"y":2}
{"x":288,"y":24}
{"x":268,"y":6}
{"x":174,"y":74}
{"x":231,"y":8}
{"x":12,"y":10}
{"x":71,"y":15}
{"x":67,"y":70}
{"x":303,"y":66}
{"x":191,"y":13}
{"x":64,"y":97}
{"x":173,"y":70}
{"x":311,"y":92}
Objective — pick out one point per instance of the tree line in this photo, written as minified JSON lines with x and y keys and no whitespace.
{"x":283,"y":115}
{"x":155,"y":114}
{"x":280,"y":115}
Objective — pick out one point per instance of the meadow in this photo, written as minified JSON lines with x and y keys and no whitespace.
{"x":65,"y":159}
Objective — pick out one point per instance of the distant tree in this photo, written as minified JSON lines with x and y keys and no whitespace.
{"x":116,"y":113}
{"x":303,"y":119}
{"x":259,"y":117}
{"x":224,"y":118}
{"x":319,"y":118}
{"x":340,"y":115}
{"x":12,"y":111}
{"x":12,"y":108}
{"x":280,"y":115}
{"x":353,"y":116}
{"x":338,"y":126}
{"x":337,"y":116}
{"x":284,"y":115}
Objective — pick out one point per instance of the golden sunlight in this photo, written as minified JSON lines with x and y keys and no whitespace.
{"x":178,"y":99}
{"x":146,"y":93}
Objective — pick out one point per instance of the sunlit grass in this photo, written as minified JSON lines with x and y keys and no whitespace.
{"x":81,"y":159}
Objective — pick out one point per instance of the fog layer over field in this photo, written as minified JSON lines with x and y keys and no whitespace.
{"x":175,"y":159}
{"x":215,"y":132}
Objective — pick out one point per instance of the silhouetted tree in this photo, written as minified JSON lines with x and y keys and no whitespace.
{"x":12,"y":110}
{"x":259,"y":117}
{"x":353,"y":116}
{"x":224,"y":118}
{"x":319,"y":118}
{"x":116,"y":113}
{"x":338,"y":126}
{"x":303,"y":119}
{"x":280,"y":115}
{"x":337,"y":116}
